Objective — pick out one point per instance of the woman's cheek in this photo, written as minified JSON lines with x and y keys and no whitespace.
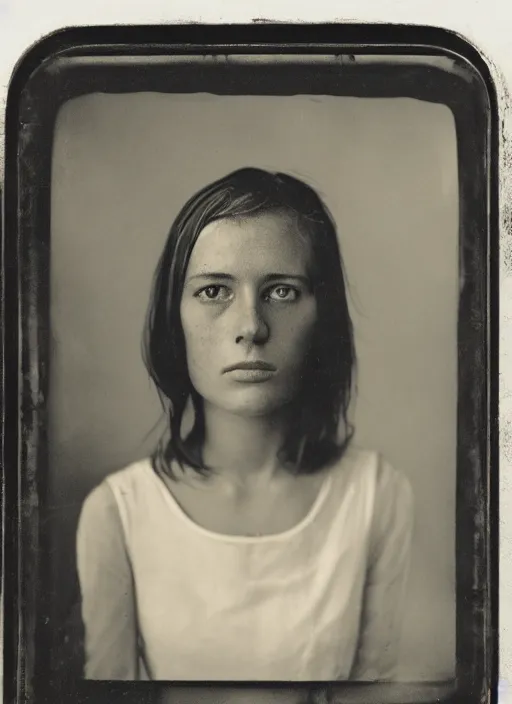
{"x":305,"y":327}
{"x":205,"y":344}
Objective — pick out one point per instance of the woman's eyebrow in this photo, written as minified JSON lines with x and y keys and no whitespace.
{"x":212,"y":275}
{"x":297,"y":277}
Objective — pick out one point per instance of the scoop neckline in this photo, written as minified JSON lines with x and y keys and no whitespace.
{"x":250,"y":539}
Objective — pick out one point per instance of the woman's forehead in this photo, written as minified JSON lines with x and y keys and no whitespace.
{"x":270,"y":241}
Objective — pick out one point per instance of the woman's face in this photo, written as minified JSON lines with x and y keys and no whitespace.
{"x":248,"y":313}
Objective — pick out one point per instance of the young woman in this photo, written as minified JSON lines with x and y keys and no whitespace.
{"x":256,"y":543}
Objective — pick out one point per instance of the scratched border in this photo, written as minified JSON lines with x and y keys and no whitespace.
{"x":35,"y":94}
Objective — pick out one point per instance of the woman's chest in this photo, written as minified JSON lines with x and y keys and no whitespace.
{"x":304,"y":576}
{"x":234,"y":612}
{"x":218,"y":606}
{"x":254,"y":512}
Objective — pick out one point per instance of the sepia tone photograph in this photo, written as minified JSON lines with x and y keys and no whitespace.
{"x":254,"y":309}
{"x":262,"y":345}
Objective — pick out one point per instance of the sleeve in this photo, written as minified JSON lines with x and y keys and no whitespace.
{"x":386,"y":578}
{"x":107,"y":591}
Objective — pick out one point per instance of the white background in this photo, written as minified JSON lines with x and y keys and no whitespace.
{"x":487,"y":24}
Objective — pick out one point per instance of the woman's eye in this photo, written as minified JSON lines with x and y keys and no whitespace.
{"x":283,"y":293}
{"x":214,"y":293}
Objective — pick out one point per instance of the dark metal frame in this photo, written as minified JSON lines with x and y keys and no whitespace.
{"x":41,"y":84}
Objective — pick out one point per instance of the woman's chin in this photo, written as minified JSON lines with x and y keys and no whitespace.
{"x":255,"y":404}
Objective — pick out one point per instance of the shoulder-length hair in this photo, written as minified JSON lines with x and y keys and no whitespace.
{"x":320,"y":430}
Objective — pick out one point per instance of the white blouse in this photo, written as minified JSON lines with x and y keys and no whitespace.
{"x":165,"y":599}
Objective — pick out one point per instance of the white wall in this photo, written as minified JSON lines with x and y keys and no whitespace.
{"x":123,"y":165}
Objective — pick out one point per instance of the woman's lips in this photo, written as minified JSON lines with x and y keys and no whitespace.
{"x":250,"y":365}
{"x":251,"y":372}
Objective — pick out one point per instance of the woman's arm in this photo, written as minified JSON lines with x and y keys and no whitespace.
{"x":106,"y":585}
{"x":381,"y":619}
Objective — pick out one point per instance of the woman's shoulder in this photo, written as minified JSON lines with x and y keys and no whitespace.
{"x":105,"y":508}
{"x":125,"y":480}
{"x":131,"y":475}
{"x":365,"y":466}
{"x":385,"y":485}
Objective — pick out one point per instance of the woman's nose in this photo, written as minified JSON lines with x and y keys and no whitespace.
{"x":251,"y":327}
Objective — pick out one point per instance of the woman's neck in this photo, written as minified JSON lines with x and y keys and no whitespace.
{"x":243,"y":448}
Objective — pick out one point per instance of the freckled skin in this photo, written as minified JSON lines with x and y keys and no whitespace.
{"x":262,"y":308}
